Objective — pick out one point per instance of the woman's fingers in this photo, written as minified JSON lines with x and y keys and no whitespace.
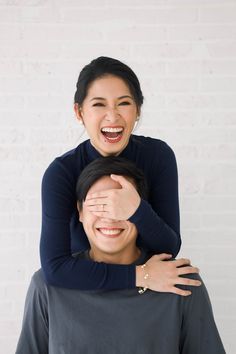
{"x":119,"y":204}
{"x":187,"y":281}
{"x":165,"y":275}
{"x":180,"y":292}
{"x":182,"y":262}
{"x":97,"y":208}
{"x":97,"y":195}
{"x":97,"y":201}
{"x":187,"y":270}
{"x":162,"y":256}
{"x":121,"y":180}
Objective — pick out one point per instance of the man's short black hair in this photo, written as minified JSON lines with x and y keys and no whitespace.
{"x":105,"y":166}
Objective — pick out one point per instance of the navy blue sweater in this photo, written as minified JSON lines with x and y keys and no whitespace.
{"x":157,"y":219}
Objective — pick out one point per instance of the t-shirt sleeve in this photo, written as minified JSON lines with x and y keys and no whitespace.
{"x":158,"y":220}
{"x":59,"y":267}
{"x":34,"y":333}
{"x":199,"y":333}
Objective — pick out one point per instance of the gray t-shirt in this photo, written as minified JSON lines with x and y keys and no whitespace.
{"x":66,"y":321}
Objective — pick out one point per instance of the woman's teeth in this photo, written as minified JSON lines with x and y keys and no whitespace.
{"x":112,"y":130}
{"x":112,"y":135}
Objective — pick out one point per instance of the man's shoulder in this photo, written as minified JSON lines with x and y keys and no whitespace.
{"x":38,"y":281}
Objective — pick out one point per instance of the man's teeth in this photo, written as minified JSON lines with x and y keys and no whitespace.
{"x":110,"y":231}
{"x":112,"y":130}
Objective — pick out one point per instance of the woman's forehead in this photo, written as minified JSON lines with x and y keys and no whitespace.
{"x":108,"y":85}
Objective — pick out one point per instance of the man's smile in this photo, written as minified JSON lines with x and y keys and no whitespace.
{"x":111,"y":232}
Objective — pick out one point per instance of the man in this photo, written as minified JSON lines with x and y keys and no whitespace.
{"x":128,"y":321}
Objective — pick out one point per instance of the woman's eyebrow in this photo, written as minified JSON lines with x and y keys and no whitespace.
{"x":126,"y":96}
{"x":97,"y":98}
{"x":119,"y":98}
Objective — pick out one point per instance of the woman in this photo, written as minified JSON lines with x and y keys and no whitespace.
{"x":108,"y":102}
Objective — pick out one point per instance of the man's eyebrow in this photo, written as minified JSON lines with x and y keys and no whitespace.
{"x":119,"y":98}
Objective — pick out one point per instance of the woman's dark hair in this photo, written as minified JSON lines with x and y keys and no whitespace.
{"x":105,"y":166}
{"x":101,"y":67}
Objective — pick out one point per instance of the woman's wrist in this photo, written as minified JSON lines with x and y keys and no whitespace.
{"x":142,"y":276}
{"x":139,"y":277}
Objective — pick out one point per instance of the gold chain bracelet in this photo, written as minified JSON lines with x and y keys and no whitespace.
{"x":146,"y":276}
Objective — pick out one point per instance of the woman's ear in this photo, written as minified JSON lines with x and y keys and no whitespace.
{"x":138,"y":113}
{"x":78,"y":113}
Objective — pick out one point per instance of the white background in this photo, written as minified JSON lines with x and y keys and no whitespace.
{"x":184,"y":53}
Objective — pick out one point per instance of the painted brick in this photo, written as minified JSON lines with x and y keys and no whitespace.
{"x":166,"y":50}
{"x":219,"y":67}
{"x":216,"y":84}
{"x":132,"y":34}
{"x":171,"y":84}
{"x":11,"y":273}
{"x":202,"y":237}
{"x":130,"y":15}
{"x":13,"y":240}
{"x":183,"y":68}
{"x":82,"y":3}
{"x":202,"y":32}
{"x":62,"y":32}
{"x":218,"y":118}
{"x":222,"y":49}
{"x":23,"y":2}
{"x":201,"y":101}
{"x":10,"y":32}
{"x":219,"y":14}
{"x":84,"y":53}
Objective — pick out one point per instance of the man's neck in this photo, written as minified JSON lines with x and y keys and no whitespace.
{"x":124,"y":257}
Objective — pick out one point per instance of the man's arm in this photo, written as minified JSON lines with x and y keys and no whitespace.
{"x":34,"y":333}
{"x":199,"y":333}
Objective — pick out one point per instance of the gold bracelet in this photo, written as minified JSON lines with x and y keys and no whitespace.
{"x":146,"y":276}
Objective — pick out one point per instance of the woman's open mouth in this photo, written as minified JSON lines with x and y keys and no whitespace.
{"x":112,"y":135}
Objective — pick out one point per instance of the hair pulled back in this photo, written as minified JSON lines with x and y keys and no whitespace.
{"x":101,"y":67}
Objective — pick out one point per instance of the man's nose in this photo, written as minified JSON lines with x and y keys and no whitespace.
{"x":108,"y":221}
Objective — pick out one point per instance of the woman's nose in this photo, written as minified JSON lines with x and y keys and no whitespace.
{"x":112,"y":114}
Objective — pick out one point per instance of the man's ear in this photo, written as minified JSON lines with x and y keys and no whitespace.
{"x":80,"y":212}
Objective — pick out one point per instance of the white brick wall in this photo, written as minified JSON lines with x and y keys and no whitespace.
{"x":184,"y":52}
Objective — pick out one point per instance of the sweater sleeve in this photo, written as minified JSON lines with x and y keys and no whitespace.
{"x":158,"y":222}
{"x":60,"y":268}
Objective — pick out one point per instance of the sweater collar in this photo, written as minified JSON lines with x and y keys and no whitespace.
{"x":94,"y":154}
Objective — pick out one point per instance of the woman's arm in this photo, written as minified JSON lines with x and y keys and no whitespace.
{"x":59,"y":267}
{"x":158,"y":220}
{"x":58,"y":205}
